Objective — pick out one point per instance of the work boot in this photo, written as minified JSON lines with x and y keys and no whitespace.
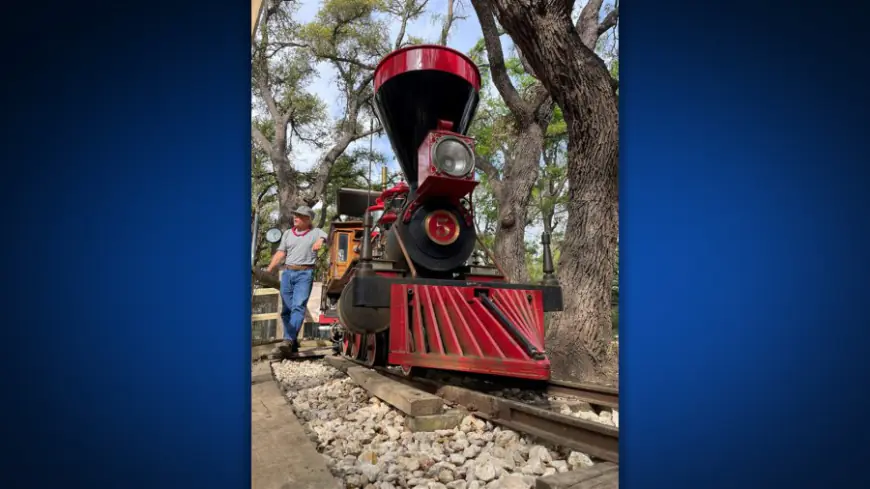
{"x":289,"y":347}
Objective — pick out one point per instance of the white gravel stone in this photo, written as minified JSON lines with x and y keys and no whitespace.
{"x":577,"y":460}
{"x":485,"y":471}
{"x":365,"y":443}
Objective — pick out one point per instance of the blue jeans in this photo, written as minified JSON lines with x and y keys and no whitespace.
{"x":295,"y":290}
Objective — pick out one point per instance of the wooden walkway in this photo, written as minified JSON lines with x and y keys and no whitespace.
{"x":282,"y":456}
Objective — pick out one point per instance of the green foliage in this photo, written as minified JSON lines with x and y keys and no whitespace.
{"x":486,"y":209}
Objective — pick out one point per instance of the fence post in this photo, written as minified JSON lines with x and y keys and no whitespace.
{"x":279,"y":324}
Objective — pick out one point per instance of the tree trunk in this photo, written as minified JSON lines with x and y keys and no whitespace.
{"x":514,"y":192}
{"x":266,"y":279}
{"x":578,"y":338}
{"x":287,"y":190}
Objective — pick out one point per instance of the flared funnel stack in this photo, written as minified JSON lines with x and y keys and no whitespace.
{"x":418,"y":86}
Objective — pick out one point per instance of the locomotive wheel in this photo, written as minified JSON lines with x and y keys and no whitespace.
{"x":345,"y":345}
{"x":370,"y":350}
{"x":356,"y":349}
{"x":375,"y":350}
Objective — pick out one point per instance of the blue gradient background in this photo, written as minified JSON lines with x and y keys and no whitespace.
{"x":743,"y":221}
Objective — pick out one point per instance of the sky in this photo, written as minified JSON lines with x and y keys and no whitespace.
{"x":464,"y":34}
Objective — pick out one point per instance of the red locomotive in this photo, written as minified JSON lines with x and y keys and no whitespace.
{"x":399,"y":289}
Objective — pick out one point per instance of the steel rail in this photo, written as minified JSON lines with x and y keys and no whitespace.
{"x":595,"y":439}
{"x":591,"y":393}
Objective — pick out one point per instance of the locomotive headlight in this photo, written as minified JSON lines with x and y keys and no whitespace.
{"x":453,"y":157}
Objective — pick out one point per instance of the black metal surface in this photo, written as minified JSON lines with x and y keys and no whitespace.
{"x":353,"y":202}
{"x":511,"y":328}
{"x":362,"y":320}
{"x":548,"y":269}
{"x":427,"y":255}
{"x":410,"y":105}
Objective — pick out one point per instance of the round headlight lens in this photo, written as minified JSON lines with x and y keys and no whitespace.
{"x":454,"y":157}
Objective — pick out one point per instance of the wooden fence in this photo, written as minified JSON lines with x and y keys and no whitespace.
{"x":265,"y":333}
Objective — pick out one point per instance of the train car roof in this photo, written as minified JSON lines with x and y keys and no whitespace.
{"x":353,"y":202}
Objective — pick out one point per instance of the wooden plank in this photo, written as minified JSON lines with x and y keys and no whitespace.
{"x":266,"y":291}
{"x":602,"y":473}
{"x":610,"y":480}
{"x":434,"y":422}
{"x":266,"y":316}
{"x":339,"y":363}
{"x":306,"y":354}
{"x":407,"y":399}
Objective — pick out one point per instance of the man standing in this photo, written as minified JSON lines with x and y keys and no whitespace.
{"x":298,"y":251}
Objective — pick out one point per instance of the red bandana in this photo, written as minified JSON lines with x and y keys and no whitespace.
{"x":303,"y":234}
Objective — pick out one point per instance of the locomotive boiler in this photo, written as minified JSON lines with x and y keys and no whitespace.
{"x":399,"y":289}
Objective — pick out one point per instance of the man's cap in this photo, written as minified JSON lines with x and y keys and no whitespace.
{"x":304,"y":210}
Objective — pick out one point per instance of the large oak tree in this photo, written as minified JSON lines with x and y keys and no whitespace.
{"x":561,"y":55}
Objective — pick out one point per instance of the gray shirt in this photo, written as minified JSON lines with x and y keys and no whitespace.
{"x":298,"y":248}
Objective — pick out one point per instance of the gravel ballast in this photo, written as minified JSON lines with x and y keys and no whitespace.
{"x":366,"y":445}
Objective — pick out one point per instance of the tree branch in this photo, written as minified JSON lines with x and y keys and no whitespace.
{"x":500,"y":77}
{"x":261,"y":140}
{"x":488,"y":168}
{"x":587,"y":23}
{"x":368,"y":133}
{"x":608,"y":21}
{"x":263,"y":193}
{"x":313,"y":141}
{"x":541,"y":97}
{"x":448,"y":21}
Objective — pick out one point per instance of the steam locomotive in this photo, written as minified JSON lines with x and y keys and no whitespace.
{"x":401,"y":288}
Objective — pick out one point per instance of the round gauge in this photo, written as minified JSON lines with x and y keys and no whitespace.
{"x":273,"y":235}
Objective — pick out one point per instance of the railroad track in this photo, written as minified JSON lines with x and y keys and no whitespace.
{"x":591,"y":393}
{"x":595,"y":439}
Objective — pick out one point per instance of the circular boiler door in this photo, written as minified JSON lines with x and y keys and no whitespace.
{"x":442,"y":227}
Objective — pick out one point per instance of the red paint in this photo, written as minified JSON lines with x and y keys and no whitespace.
{"x":444,"y":186}
{"x":395,"y":190}
{"x":442,"y":227}
{"x":426,"y":168}
{"x":427,"y":57}
{"x":389,"y":217}
{"x":447,"y":327}
{"x":379,"y":206}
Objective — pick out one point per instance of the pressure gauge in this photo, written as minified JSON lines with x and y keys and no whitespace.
{"x":273,"y":235}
